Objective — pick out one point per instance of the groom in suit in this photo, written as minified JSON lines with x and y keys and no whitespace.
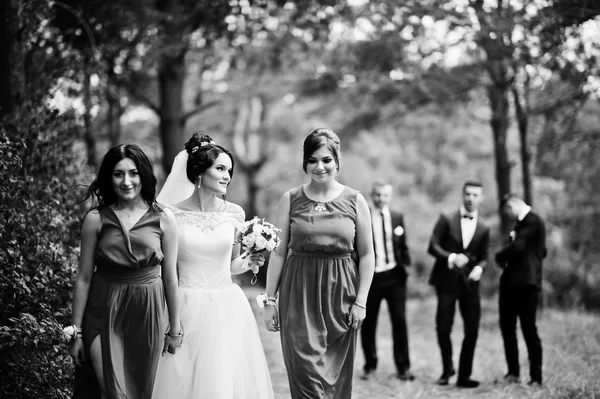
{"x":520,"y":284}
{"x":459,"y":243}
{"x":389,"y":282}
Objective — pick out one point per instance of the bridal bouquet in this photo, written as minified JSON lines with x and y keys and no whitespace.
{"x":255,"y":236}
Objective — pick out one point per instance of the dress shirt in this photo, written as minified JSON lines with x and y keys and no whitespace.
{"x":524,"y":212}
{"x":380,"y":264}
{"x":467,"y":230}
{"x":467,"y":226}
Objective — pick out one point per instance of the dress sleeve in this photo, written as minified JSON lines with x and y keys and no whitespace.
{"x":238,"y":219}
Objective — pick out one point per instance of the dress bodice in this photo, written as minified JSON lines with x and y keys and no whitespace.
{"x":137,"y":248}
{"x":322,"y":227}
{"x":206,"y":242}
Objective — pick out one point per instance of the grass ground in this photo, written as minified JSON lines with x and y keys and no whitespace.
{"x":571,"y":342}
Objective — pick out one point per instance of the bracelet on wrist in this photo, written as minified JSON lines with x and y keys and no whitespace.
{"x":360,"y":306}
{"x":263,"y":300}
{"x":179,"y":334}
{"x":270,"y":302}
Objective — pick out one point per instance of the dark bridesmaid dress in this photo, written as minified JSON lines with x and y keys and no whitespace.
{"x":318,"y":287}
{"x":126,"y":308}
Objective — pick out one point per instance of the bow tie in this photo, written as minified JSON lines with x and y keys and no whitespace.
{"x":467,"y":216}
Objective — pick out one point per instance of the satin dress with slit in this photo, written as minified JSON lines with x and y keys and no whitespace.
{"x":126,"y":308}
{"x":318,"y":286}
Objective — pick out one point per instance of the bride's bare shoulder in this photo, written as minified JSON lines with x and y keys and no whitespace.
{"x":185,"y":205}
{"x":233,"y":208}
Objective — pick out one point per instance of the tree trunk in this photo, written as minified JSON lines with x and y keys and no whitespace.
{"x":170,"y":79}
{"x":253,"y":189}
{"x":12,"y":76}
{"x":113,"y":120}
{"x":115,"y":110}
{"x":118,"y":114}
{"x":496,"y":42}
{"x":523,"y":124}
{"x":171,"y":76}
{"x":250,"y":147}
{"x":498,"y":95}
{"x":88,"y":134}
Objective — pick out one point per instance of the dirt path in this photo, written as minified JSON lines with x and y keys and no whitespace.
{"x":489,"y":363}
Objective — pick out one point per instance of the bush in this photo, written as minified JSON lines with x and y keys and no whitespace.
{"x":36,"y":360}
{"x":39,"y":226}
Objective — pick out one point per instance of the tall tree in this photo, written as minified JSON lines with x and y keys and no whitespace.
{"x":12,"y":79}
{"x":181,"y":23}
{"x":504,"y":38}
{"x":250,"y":145}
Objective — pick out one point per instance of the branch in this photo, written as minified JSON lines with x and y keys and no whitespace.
{"x":186,"y":24}
{"x":239,"y":146}
{"x":134,"y":91}
{"x":198,"y":110}
{"x":251,"y":166}
{"x":559,"y":103}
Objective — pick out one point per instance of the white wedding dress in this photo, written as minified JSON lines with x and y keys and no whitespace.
{"x":221,"y":356}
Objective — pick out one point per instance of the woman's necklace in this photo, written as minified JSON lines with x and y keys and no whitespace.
{"x":128,"y":213}
{"x":320,"y":207}
{"x":129,"y":217}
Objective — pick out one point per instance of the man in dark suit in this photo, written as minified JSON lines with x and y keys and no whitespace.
{"x":389,"y":282}
{"x":459,"y":243}
{"x":520,"y":285}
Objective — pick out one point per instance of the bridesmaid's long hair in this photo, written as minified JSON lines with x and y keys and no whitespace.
{"x":102,"y":187}
{"x":318,"y":138}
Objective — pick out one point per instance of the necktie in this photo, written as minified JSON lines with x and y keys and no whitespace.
{"x":387,"y":260}
{"x":467,"y":216}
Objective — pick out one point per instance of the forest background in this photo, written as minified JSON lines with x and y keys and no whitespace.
{"x":424,"y":94}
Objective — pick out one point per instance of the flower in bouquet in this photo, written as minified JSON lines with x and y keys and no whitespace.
{"x":257,"y":235}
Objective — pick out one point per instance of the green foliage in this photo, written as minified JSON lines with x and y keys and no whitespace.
{"x":35,"y":363}
{"x":571,"y":155}
{"x":324,"y":83}
{"x":379,"y":55}
{"x":38,"y":230}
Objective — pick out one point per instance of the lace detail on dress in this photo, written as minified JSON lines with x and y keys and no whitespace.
{"x":207,"y":221}
{"x":206,"y":241}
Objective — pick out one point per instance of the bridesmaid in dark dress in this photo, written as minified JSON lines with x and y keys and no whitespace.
{"x":126,"y":274}
{"x":322,"y":292}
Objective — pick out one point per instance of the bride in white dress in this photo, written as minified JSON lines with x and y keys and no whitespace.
{"x":221,"y":356}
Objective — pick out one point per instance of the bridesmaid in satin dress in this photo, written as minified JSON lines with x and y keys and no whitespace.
{"x":322,"y":291}
{"x":126,"y":275}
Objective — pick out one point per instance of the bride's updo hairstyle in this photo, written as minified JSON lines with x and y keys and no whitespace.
{"x":318,"y":138}
{"x":202,"y":153}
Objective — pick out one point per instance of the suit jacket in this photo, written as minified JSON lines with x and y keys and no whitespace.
{"x":447,"y":239}
{"x":401,"y":253}
{"x":522,"y":257}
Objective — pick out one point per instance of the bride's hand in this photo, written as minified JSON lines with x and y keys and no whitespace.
{"x":257,"y":258}
{"x":172,"y":343}
{"x":271,"y":318}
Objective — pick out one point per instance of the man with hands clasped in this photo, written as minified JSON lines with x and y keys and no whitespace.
{"x":460,"y":244}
